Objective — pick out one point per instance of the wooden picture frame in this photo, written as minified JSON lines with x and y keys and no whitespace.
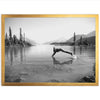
{"x":96,"y":16}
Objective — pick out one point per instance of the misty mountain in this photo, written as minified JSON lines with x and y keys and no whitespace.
{"x":62,"y":39}
{"x":30,"y":41}
{"x":77,"y":38}
{"x":90,"y":37}
{"x":91,"y":34}
{"x":86,"y":41}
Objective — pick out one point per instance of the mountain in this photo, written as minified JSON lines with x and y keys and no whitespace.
{"x":90,"y":38}
{"x":86,"y":41}
{"x":59,"y":40}
{"x":30,"y":41}
{"x":91,"y":34}
{"x":77,"y":38}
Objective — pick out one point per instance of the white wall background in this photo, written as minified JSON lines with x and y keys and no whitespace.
{"x":49,"y":7}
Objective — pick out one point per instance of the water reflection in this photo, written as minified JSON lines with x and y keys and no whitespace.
{"x":36,"y":60}
{"x":74,"y":50}
{"x":80,"y":50}
{"x":21,"y":54}
{"x":55,"y":61}
{"x":14,"y":54}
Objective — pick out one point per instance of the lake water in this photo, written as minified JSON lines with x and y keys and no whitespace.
{"x":35,"y":64}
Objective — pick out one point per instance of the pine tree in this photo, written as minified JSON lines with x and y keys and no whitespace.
{"x":10,"y":36}
{"x":20,"y":35}
{"x":10,"y":33}
{"x":15,"y":39}
{"x":86,"y":42}
{"x":24,"y":37}
{"x":81,"y":40}
{"x":6,"y":40}
{"x":74,"y":39}
{"x":6,"y":37}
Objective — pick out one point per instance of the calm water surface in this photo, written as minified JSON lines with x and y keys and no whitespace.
{"x":35,"y":64}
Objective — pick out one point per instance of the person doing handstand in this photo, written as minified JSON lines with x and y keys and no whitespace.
{"x":55,"y":50}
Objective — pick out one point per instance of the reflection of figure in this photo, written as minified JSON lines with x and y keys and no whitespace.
{"x":55,"y":50}
{"x":61,"y":63}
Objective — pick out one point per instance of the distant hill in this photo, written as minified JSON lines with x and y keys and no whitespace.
{"x":86,"y":40}
{"x":77,"y":38}
{"x":83,"y":36}
{"x":91,"y":34}
{"x":30,"y":41}
{"x":60,"y":40}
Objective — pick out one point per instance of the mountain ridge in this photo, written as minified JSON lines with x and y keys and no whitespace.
{"x":89,"y":36}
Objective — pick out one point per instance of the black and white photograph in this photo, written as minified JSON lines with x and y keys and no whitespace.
{"x":50,"y":49}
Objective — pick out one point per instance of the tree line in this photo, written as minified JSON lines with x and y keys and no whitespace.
{"x":83,"y":41}
{"x":12,"y":39}
{"x":78,"y":40}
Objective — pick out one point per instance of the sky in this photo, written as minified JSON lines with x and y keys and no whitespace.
{"x":42,"y":30}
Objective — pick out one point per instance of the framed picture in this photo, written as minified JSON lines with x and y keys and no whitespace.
{"x":50,"y":50}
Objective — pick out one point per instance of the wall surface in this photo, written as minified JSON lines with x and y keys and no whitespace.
{"x":49,"y":7}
